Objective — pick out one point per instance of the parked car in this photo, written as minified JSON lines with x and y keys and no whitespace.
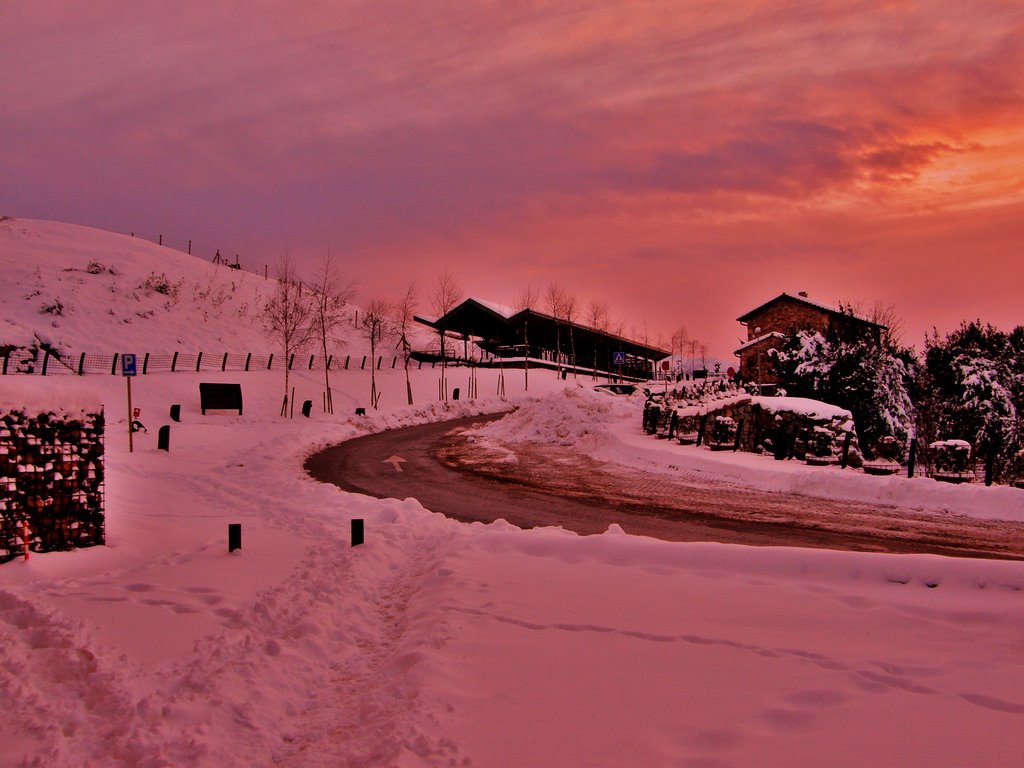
{"x":624,"y":390}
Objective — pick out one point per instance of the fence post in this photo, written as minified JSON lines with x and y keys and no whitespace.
{"x":248,"y":357}
{"x":290,"y":361}
{"x":7,"y":354}
{"x":912,"y":458}
{"x":363,"y":364}
{"x":224,"y":363}
{"x":379,"y":361}
{"x":174,"y":362}
{"x":113,"y":365}
{"x":394,"y":362}
{"x":160,"y":240}
{"x":347,"y":358}
{"x":190,"y":247}
{"x":46,"y":359}
{"x":145,"y":363}
{"x":81,"y":363}
{"x":329,"y":359}
{"x":270,"y":362}
{"x":990,"y":460}
{"x":199,"y":361}
{"x":311,"y":362}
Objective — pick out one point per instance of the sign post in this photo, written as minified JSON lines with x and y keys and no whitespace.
{"x":619,"y":359}
{"x":128,"y":370}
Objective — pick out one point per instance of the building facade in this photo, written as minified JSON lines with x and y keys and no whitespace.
{"x":771,"y":324}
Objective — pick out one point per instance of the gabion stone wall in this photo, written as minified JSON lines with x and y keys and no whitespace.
{"x":51,"y":476}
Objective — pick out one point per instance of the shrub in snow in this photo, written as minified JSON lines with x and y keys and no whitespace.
{"x":952,"y":456}
{"x":972,"y":388}
{"x":723,"y":430}
{"x":871,"y":379}
{"x":161,"y":284}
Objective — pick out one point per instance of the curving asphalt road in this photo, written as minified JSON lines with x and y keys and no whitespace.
{"x":448,"y":472}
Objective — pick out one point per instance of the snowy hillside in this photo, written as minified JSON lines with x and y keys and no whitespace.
{"x":438,"y":643}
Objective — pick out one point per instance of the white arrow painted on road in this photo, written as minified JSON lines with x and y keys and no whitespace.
{"x":396,"y":462}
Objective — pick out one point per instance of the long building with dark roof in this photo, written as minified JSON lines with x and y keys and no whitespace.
{"x":511,"y":337}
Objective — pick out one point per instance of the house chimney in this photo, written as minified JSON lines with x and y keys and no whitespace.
{"x":802,"y":294}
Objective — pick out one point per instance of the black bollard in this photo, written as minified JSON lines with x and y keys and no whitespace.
{"x":234,"y":536}
{"x":455,"y":394}
{"x":846,"y":450}
{"x":307,"y":406}
{"x":163,"y":438}
{"x":357,"y":532}
{"x":175,"y":412}
{"x":360,"y":411}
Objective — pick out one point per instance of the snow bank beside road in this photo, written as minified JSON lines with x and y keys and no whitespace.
{"x":609,"y":429}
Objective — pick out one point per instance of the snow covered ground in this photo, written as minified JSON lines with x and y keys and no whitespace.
{"x":443,"y":644}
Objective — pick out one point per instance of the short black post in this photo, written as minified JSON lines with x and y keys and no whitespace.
{"x":113,"y":365}
{"x":224,"y":362}
{"x":912,"y":458}
{"x":846,"y":450}
{"x":307,"y":407}
{"x":199,"y":361}
{"x":46,"y":359}
{"x":357,"y":532}
{"x":174,"y":362}
{"x":176,"y":412}
{"x":248,"y":359}
{"x":234,"y":536}
{"x":81,"y":363}
{"x":455,"y":394}
{"x":311,"y":362}
{"x":362,"y":365}
{"x":990,"y":461}
{"x":163,"y":438}
{"x":145,"y":364}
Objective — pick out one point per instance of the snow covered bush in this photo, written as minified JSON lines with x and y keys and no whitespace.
{"x":869,"y":378}
{"x":972,"y":389}
{"x":723,"y":430}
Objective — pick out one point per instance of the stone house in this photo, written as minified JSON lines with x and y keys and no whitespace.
{"x":771,"y":324}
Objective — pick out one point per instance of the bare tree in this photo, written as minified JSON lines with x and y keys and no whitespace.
{"x":286,"y":317}
{"x":892,"y":324}
{"x":330,"y":296}
{"x":374,"y":325}
{"x":597,"y":319}
{"x":679,"y":339}
{"x":569,"y":313}
{"x":554,"y":300}
{"x":403,"y":313}
{"x":527,"y":300}
{"x":445,"y":296}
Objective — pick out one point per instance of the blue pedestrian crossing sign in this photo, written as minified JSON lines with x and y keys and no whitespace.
{"x":128,"y":366}
{"x":619,"y":358}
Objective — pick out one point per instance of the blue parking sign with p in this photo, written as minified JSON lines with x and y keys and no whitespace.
{"x":128,"y":366}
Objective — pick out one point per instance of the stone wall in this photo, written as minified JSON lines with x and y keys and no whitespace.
{"x":764,"y":431}
{"x":51,"y":477}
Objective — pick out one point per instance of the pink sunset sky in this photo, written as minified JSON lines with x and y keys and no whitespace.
{"x":681,"y":161}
